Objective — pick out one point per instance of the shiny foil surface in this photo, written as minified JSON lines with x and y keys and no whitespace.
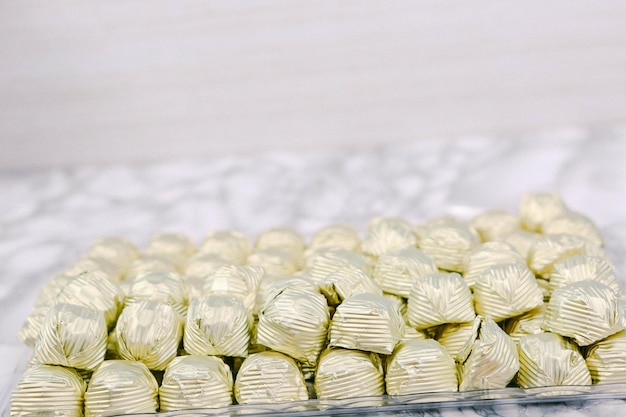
{"x":326,"y":261}
{"x":336,"y":236}
{"x":397,"y":270}
{"x":495,"y":224}
{"x":166,"y":287}
{"x":548,"y":250}
{"x":606,"y":359}
{"x":530,"y":322}
{"x":535,"y":209}
{"x":230,"y":245}
{"x":448,"y":242}
{"x":386,"y":234}
{"x":487,"y":255}
{"x":346,"y":282}
{"x":582,"y":268}
{"x":574,"y":224}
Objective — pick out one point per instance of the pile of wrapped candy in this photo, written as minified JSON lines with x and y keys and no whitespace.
{"x":449,"y":305}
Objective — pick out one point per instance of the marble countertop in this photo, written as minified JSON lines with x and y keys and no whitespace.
{"x":48,"y":218}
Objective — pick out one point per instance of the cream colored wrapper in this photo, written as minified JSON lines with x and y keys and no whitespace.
{"x":507,"y":290}
{"x":196,"y":382}
{"x":283,"y":238}
{"x":574,"y":224}
{"x":230,"y":245}
{"x":525,"y":324}
{"x":454,"y":337}
{"x":495,"y":224}
{"x":399,"y":303}
{"x":236,"y":281}
{"x":346,"y":282}
{"x":535,"y":209}
{"x":386,"y":234}
{"x":336,"y":236}
{"x":412,"y":334}
{"x":448,"y":242}
{"x":147,"y":264}
{"x":271,"y":286}
{"x":397,"y":271}
{"x":548,"y":250}
{"x":546,"y":359}
{"x":274,"y":261}
{"x":119,"y":251}
{"x":294,"y":322}
{"x":343,"y":373}
{"x":487,"y":255}
{"x":438,"y":299}
{"x":581,"y":268}
{"x":197,"y":268}
{"x":269,"y":378}
{"x":586,"y":311}
{"x":326,"y":262}
{"x":217,"y":325}
{"x":121,"y":387}
{"x":165,"y":287}
{"x":113,"y":272}
{"x":149,"y":332}
{"x":72,"y":336}
{"x":176,"y":246}
{"x":367,"y":322}
{"x":522,"y":241}
{"x":48,"y":390}
{"x":606,"y":359}
{"x":420,"y":366}
{"x":491,"y":359}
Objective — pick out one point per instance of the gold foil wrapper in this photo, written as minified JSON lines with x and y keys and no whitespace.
{"x":48,"y":390}
{"x":487,"y":255}
{"x":236,"y":281}
{"x":112,"y":271}
{"x":325,"y":262}
{"x":367,"y":322}
{"x":285,"y":239}
{"x":72,"y":336}
{"x":606,"y":359}
{"x":448,"y":242}
{"x":343,"y":373}
{"x":546,"y":359}
{"x":148,"y":264}
{"x":507,"y":290}
{"x":535,"y":209}
{"x":176,"y":246}
{"x":581,"y":268}
{"x":490,"y":360}
{"x":269,"y":378}
{"x":165,"y":287}
{"x":412,"y":334}
{"x":118,"y":251}
{"x":587,"y":311}
{"x":525,"y":324}
{"x":274,"y":261}
{"x":197,"y":268}
{"x":420,"y":366}
{"x":495,"y":224}
{"x":397,"y":271}
{"x":196,"y":382}
{"x":217,"y":325}
{"x":294,"y":322}
{"x":336,"y":236}
{"x":438,"y":299}
{"x":346,"y":282}
{"x":121,"y":387}
{"x":549,"y":250}
{"x":574,"y":224}
{"x":230,"y":245}
{"x":276,"y":285}
{"x":149,"y":332}
{"x":522,"y":241}
{"x":386,"y":234}
{"x":454,"y":337}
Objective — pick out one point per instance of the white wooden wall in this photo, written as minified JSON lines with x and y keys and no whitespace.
{"x":99,"y":81}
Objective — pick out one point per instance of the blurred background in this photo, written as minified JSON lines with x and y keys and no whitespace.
{"x":133,"y":81}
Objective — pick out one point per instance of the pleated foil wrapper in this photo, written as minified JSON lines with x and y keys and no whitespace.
{"x":269,"y":378}
{"x":544,"y":286}
{"x":547,"y":359}
{"x":294,"y":322}
{"x":367,"y":322}
{"x":192,"y":382}
{"x":399,"y":303}
{"x":72,"y":336}
{"x":48,"y":390}
{"x":165,"y":287}
{"x":230,"y":245}
{"x":438,"y":299}
{"x":274,"y":261}
{"x":606,"y":359}
{"x":548,"y":250}
{"x":176,"y":246}
{"x":487,"y":255}
{"x":327,"y":261}
{"x":283,"y":238}
{"x":581,"y":268}
{"x":119,"y":251}
{"x":448,"y":242}
{"x":93,"y":290}
{"x":574,"y":224}
{"x":343,"y":373}
{"x":236,"y":281}
{"x":149,"y":332}
{"x":421,"y":366}
{"x":197,"y":268}
{"x":121,"y":387}
{"x":522,"y":241}
{"x":336,"y":236}
{"x":147,"y":264}
{"x":495,"y":224}
{"x":397,"y":271}
{"x":346,"y":282}
{"x":586,"y":311}
{"x":217,"y":325}
{"x":114,"y":272}
{"x":271,"y":287}
{"x":507,"y":290}
{"x":386,"y":234}
{"x":536,"y":209}
{"x":412,"y":334}
{"x":528,"y":323}
{"x":490,"y":360}
{"x":454,"y":337}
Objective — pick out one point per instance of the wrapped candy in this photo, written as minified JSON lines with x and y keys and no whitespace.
{"x":72,"y":336}
{"x":149,"y":332}
{"x":454,"y":336}
{"x":294,"y":322}
{"x":419,"y":366}
{"x":386,"y":234}
{"x":546,"y":359}
{"x":217,"y":325}
{"x":269,"y":378}
{"x":336,"y":236}
{"x":447,"y":242}
{"x":230,"y":245}
{"x":606,"y":359}
{"x":48,"y":390}
{"x":367,"y":322}
{"x":536,"y":209}
{"x":285,"y":239}
{"x":581,"y":268}
{"x":327,"y":261}
{"x":438,"y":299}
{"x":119,"y":251}
{"x":495,"y":224}
{"x":113,"y":272}
{"x":121,"y":387}
{"x":176,"y":246}
{"x":165,"y":287}
{"x":236,"y":281}
{"x":521,"y":241}
{"x":343,"y":373}
{"x":487,"y":255}
{"x":525,"y":324}
{"x":147,"y":264}
{"x":574,"y":224}
{"x":396,"y":271}
{"x":196,"y":382}
{"x":346,"y":282}
{"x":548,"y":250}
{"x":274,"y":261}
{"x":197,"y":268}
